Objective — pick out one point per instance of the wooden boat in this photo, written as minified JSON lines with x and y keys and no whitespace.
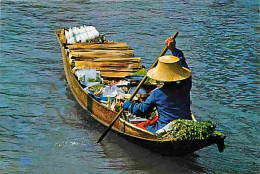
{"x":104,"y":115}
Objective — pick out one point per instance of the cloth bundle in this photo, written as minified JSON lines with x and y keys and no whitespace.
{"x":144,"y":124}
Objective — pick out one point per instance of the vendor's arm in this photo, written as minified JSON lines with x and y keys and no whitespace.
{"x":171,"y":45}
{"x":141,"y":108}
{"x":178,"y":53}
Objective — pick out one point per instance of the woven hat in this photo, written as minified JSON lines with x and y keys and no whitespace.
{"x":168,"y":69}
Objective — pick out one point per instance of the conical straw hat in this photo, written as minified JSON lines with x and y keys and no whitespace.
{"x":169,"y":69}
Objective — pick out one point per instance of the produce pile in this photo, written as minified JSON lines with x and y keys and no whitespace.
{"x":143,"y":72}
{"x":188,"y":130}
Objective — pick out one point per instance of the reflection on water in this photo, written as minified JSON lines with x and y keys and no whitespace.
{"x":44,"y":130}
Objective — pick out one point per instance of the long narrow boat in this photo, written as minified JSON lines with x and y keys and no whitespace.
{"x":104,"y":115}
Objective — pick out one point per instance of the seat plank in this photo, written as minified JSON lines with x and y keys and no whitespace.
{"x":116,"y":59}
{"x":102,"y":53}
{"x":85,"y":64}
{"x":115,"y":74}
{"x":103,"y":46}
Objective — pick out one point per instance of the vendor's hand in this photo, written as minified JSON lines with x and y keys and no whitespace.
{"x":170,"y":44}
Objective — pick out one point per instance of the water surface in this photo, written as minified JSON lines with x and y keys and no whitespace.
{"x":44,"y":130}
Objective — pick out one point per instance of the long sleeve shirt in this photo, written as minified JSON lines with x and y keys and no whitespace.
{"x":172,"y":101}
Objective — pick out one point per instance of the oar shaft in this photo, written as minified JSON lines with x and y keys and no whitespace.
{"x":153,"y":65}
{"x":135,"y":91}
{"x":163,"y":51}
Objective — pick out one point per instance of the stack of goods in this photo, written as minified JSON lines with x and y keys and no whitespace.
{"x":188,"y":130}
{"x":87,"y":48}
{"x":83,"y":34}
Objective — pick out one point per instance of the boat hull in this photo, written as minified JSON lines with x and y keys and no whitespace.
{"x":125,"y":129}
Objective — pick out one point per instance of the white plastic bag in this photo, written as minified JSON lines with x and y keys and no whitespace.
{"x":81,"y":34}
{"x":165,"y":129}
{"x":88,"y":77}
{"x":112,"y":91}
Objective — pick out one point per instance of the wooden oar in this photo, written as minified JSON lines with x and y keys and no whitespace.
{"x":134,"y":93}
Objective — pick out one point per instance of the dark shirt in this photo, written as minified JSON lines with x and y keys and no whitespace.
{"x":172,"y":101}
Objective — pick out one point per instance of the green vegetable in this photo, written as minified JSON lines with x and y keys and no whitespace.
{"x":82,"y":78}
{"x":190,"y":130}
{"x":143,"y":72}
{"x":98,"y":86}
{"x":100,"y":39}
{"x":91,"y":80}
{"x":98,"y":79}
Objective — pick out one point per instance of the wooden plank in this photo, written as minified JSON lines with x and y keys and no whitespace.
{"x":86,"y":59}
{"x":117,"y":69}
{"x":84,"y":64}
{"x":97,"y":46}
{"x":109,"y":61}
{"x":103,"y":53}
{"x":126,"y":60}
{"x":130,"y":59}
{"x":106,"y":43}
{"x":115,"y":74}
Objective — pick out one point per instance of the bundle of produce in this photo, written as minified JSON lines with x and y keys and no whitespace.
{"x":84,"y":34}
{"x":96,"y":87}
{"x":143,"y":72}
{"x":188,"y":130}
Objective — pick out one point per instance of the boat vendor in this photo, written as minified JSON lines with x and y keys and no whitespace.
{"x":172,"y":100}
